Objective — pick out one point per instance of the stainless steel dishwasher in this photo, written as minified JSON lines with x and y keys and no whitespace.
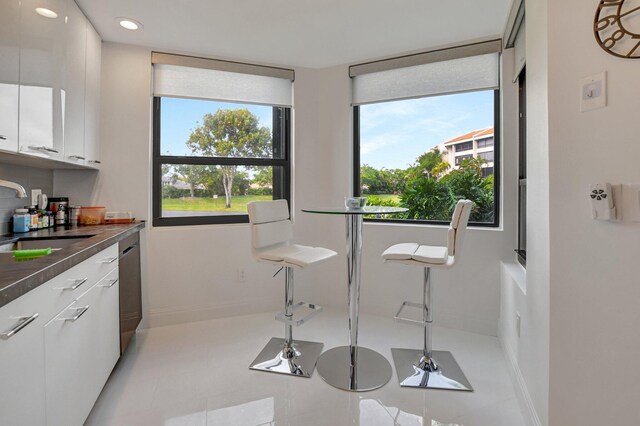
{"x":130,"y":288}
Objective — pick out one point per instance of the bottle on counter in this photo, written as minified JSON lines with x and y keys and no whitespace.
{"x":33,"y":213}
{"x":21,"y":221}
{"x":41,"y":224}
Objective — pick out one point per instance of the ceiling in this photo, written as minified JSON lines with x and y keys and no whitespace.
{"x":301,"y":33}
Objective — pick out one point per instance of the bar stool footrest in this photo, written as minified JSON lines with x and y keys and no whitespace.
{"x":315,"y":310}
{"x":399,"y":318}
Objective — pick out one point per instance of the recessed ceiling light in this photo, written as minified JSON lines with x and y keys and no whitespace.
{"x":129,"y":24}
{"x":47,"y":13}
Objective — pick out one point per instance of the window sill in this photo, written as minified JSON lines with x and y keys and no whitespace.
{"x":517,"y":272}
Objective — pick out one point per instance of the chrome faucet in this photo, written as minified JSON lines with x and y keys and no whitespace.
{"x":21,"y":193}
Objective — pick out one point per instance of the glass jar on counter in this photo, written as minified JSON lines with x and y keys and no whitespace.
{"x":21,"y":221}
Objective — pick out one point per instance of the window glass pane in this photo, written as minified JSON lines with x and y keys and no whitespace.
{"x":466,"y":146}
{"x":193,"y":190}
{"x":487,"y":156}
{"x":409,"y":158}
{"x":485,"y":143}
{"x":200,"y":128}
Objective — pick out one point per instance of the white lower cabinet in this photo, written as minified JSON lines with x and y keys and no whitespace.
{"x":54,"y":361}
{"x":81,"y":348}
{"x":22,"y":395}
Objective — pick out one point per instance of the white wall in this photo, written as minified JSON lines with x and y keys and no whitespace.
{"x":594,"y":267}
{"x":581,"y":303}
{"x":191,"y":272}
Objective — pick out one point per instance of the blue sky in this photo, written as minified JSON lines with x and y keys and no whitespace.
{"x":394,"y":134}
{"x":181,"y":116}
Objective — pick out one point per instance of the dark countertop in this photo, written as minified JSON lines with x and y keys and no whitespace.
{"x":19,"y":278}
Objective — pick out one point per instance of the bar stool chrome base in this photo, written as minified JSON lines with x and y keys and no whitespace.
{"x":446,"y":375}
{"x":273,"y":358}
{"x":372,"y":370}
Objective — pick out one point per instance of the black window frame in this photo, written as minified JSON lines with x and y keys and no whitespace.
{"x":496,"y":172}
{"x":281,"y":181}
{"x":521,"y":251}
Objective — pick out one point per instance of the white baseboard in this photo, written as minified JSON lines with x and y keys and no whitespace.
{"x":522,"y":393}
{"x":183,"y":314}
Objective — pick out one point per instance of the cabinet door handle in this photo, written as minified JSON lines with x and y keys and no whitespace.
{"x":76,"y":283}
{"x":107,"y":260}
{"x":95,"y":161}
{"x":43,"y":148}
{"x":110,"y":284}
{"x":22,"y":323}
{"x":79,"y":312}
{"x":3,"y":137}
{"x":77,"y":157}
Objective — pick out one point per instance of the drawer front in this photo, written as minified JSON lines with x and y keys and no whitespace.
{"x":22,"y":396}
{"x":75,"y":281}
{"x":82,"y":347}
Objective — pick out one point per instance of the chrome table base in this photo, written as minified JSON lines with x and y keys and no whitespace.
{"x":448,"y":374}
{"x":273,"y":359}
{"x":371,"y":370}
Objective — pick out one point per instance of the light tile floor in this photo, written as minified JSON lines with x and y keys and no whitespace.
{"x":197,"y":374}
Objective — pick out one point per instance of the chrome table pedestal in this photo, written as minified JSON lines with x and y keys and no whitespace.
{"x":354,"y":368}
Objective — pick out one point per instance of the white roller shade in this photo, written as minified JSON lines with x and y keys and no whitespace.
{"x":203,"y":80}
{"x":520,"y":55}
{"x":436,"y":78}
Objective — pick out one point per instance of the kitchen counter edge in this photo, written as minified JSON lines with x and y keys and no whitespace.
{"x":20,"y":278}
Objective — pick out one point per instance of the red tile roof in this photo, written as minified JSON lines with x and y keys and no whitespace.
{"x":476,"y":134}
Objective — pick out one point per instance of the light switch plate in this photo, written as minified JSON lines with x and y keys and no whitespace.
{"x":593,"y":92}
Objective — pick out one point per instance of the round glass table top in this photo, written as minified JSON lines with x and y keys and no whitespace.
{"x":364,"y":210}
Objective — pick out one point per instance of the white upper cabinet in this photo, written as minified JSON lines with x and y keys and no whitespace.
{"x":74,"y":84}
{"x":9,"y":73}
{"x":42,"y":65}
{"x":92,"y":98}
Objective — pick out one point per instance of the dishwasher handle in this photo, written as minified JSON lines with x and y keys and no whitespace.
{"x":128,"y":249}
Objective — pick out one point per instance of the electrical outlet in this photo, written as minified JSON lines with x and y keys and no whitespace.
{"x":34,"y":196}
{"x":518,"y":324}
{"x":241,"y":277}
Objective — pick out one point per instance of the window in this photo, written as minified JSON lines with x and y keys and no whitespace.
{"x":485,"y":143}
{"x":521,"y":251}
{"x":465,"y":146}
{"x":221,"y":139}
{"x":487,"y":156}
{"x":461,"y":158}
{"x":414,"y":119}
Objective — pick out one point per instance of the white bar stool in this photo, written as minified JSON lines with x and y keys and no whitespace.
{"x":426,"y":368}
{"x":271,"y":235}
